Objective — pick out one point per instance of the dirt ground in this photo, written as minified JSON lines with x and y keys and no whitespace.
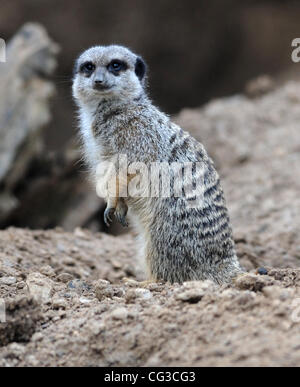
{"x":67,"y":303}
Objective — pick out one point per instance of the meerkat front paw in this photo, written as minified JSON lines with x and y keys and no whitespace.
{"x":121,"y":213}
{"x":108,"y":216}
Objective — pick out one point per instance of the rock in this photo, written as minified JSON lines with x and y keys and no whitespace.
{"x":65,"y":277}
{"x":103,"y":290}
{"x":32,"y":361}
{"x":37,"y":337}
{"x":192,"y":296}
{"x":8,"y":281}
{"x":133,"y":294}
{"x":102,"y":284}
{"x":59,"y":303}
{"x":262,"y":271}
{"x":119,"y":314}
{"x":16,"y":350}
{"x":253,"y":282}
{"x":143,"y":293}
{"x":84,"y":301}
{"x":193,"y":292}
{"x":95,"y":328}
{"x":48,"y":271}
{"x":102,"y":293}
{"x":78,"y":286}
{"x":40,"y":287}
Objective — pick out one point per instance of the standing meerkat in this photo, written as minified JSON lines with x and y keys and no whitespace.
{"x":179,"y":242}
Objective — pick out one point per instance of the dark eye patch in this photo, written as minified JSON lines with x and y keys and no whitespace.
{"x":116,"y":66}
{"x":87,"y":68}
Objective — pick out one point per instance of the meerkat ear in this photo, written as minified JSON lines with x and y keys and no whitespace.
{"x":140,"y":68}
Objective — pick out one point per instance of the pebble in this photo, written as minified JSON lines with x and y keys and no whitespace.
{"x":84,"y":301}
{"x":96,"y":328}
{"x":16,"y":350}
{"x":104,"y":289}
{"x":133,"y":294}
{"x":193,"y":292}
{"x":192,"y":296}
{"x":143,"y":293}
{"x":79,"y":286}
{"x":32,"y":360}
{"x":48,"y":271}
{"x":8,"y":281}
{"x":262,"y":271}
{"x":79,"y":233}
{"x":37,"y":337}
{"x":102,"y":284}
{"x":116,"y":264}
{"x":253,"y":282}
{"x":120,"y":314}
{"x":40,"y":287}
{"x":59,"y":303}
{"x":65,"y":278}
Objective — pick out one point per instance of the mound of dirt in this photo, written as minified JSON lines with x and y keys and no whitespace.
{"x":88,"y":317}
{"x":22,"y":316}
{"x":68,"y":304}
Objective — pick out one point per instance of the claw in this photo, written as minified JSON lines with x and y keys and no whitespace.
{"x":121,"y":219}
{"x":121,"y":213}
{"x":108,"y":214}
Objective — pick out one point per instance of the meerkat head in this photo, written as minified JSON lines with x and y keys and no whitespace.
{"x":112,"y":72}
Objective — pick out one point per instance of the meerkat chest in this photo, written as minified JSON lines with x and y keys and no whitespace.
{"x":92,"y":146}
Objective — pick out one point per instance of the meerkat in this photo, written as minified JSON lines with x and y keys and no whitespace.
{"x":179,"y":243}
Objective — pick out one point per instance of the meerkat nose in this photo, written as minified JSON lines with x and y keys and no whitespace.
{"x":99,"y":84}
{"x":98,"y":81}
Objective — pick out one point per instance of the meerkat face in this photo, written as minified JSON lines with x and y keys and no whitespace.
{"x":108,"y":72}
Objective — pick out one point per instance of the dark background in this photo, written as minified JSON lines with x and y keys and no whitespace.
{"x":196,"y":49}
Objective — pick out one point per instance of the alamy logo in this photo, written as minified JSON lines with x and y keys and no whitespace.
{"x":296,"y":311}
{"x":2,"y":51}
{"x":153,"y":180}
{"x":2,"y":311}
{"x":296,"y":52}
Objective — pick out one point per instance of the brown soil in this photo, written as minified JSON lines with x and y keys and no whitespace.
{"x":68,"y":306}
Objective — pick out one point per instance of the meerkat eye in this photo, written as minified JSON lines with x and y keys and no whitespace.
{"x":116,"y":66}
{"x":87,"y":68}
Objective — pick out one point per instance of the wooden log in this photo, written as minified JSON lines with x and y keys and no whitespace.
{"x":25,"y":93}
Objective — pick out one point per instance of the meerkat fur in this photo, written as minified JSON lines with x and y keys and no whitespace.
{"x":178,"y":243}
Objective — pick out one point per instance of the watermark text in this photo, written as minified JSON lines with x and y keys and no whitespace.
{"x":2,"y":51}
{"x":2,"y":311}
{"x":296,"y":51}
{"x":122,"y":179}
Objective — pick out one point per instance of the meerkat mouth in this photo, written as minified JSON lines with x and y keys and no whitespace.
{"x":102,"y":88}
